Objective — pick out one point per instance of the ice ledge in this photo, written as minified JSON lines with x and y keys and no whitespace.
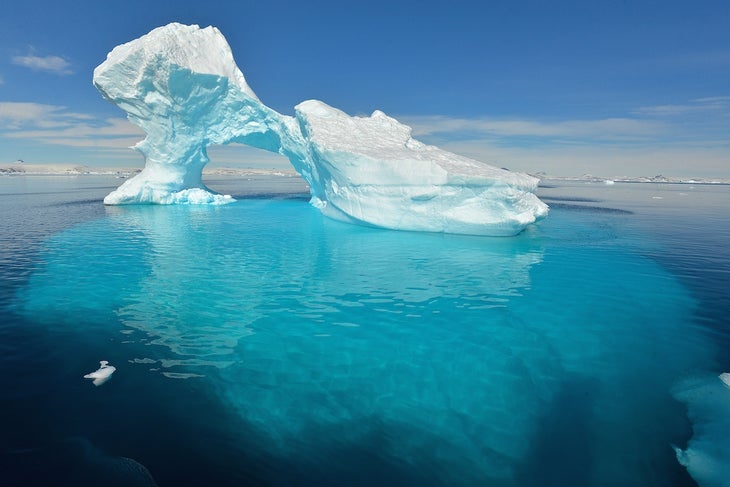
{"x":192,"y":196}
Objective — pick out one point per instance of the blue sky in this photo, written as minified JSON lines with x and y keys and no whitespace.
{"x":608,"y":88}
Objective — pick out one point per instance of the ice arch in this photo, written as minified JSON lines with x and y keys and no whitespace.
{"x":181,"y":85}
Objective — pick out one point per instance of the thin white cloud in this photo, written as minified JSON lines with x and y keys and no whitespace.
{"x":609,"y":129}
{"x":111,"y":127}
{"x":51,"y":64}
{"x":707,"y":104}
{"x":14,"y":115}
{"x":687,"y":139}
{"x":605,"y":161}
{"x":699,"y":121}
{"x":713,"y":100}
{"x":56,"y":125}
{"x":17,"y":111}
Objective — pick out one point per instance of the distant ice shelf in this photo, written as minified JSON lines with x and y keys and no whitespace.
{"x":180,"y":84}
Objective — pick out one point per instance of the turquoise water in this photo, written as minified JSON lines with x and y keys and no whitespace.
{"x":260,"y":344}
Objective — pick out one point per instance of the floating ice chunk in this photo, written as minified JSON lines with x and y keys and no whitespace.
{"x":102,"y":374}
{"x":725,"y":378}
{"x":180,"y":84}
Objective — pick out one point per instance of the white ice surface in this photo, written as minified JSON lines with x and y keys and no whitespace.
{"x":181,"y":85}
{"x":102,"y":374}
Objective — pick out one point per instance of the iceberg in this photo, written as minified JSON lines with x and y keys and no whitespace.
{"x":181,"y":85}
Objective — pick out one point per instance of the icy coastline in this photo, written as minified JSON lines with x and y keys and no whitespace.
{"x":82,"y":170}
{"x":31,"y":169}
{"x":632,"y":179}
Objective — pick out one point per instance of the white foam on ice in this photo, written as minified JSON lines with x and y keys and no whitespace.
{"x":180,"y":84}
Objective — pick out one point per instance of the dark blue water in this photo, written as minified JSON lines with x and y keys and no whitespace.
{"x":260,"y":344}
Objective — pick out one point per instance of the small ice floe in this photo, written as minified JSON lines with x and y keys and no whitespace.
{"x":102,"y":374}
{"x":725,"y":378}
{"x":609,"y":182}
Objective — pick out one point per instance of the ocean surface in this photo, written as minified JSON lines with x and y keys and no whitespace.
{"x":261,"y":344}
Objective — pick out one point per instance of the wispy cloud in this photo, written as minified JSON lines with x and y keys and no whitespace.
{"x":606,"y":161}
{"x":707,"y":104}
{"x":51,"y":64}
{"x":56,"y":125}
{"x":609,"y":129}
{"x":15,"y":115}
{"x":688,"y":139}
{"x":698,"y":120}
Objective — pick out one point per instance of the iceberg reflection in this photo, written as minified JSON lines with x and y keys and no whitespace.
{"x":489,"y":360}
{"x":214,"y":278}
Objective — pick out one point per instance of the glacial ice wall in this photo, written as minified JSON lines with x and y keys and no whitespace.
{"x":181,"y":85}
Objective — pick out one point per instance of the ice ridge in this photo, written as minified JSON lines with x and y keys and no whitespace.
{"x":180,"y":84}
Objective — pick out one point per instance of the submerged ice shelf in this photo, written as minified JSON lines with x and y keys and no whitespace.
{"x":181,"y":85}
{"x":707,"y":456}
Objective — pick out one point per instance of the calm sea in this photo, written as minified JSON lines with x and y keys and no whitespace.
{"x":259,"y":343}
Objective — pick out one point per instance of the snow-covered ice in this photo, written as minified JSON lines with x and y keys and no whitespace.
{"x":181,"y":85}
{"x":102,"y":374}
